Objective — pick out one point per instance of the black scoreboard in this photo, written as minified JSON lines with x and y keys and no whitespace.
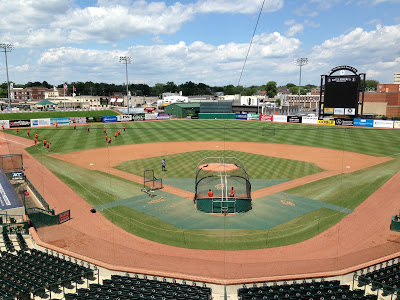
{"x":342,"y":91}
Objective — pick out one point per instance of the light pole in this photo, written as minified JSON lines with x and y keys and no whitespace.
{"x":126,"y":60}
{"x":7,"y":47}
{"x":300,"y":62}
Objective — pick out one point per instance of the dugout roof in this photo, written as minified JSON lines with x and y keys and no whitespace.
{"x":8,"y":197}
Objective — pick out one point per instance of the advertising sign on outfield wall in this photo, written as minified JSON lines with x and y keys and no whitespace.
{"x":109,"y":119}
{"x":326,"y":122}
{"x":150,"y":116}
{"x":253,"y":117}
{"x":383,"y":124}
{"x":266,"y":118}
{"x":20,"y":123}
{"x":241,"y":116}
{"x":124,"y":118}
{"x":40,"y":122}
{"x":343,"y":122}
{"x":60,"y":121}
{"x":309,"y":120}
{"x":396,"y":124}
{"x":363,"y":122}
{"x":280,"y":118}
{"x":77,"y":120}
{"x":5,"y":123}
{"x":338,"y":111}
{"x":163,"y":116}
{"x":94,"y":119}
{"x":138,"y":117}
{"x":294,"y":119}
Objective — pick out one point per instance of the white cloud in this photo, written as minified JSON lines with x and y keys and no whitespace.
{"x":237,"y":6}
{"x":295,"y":29}
{"x":179,"y":62}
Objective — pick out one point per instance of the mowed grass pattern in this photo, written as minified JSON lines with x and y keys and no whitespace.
{"x":184,"y":165}
{"x":346,"y":190}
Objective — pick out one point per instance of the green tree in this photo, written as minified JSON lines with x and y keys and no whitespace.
{"x":371,"y":85}
{"x":289,"y":85}
{"x":271,"y":89}
{"x":278,"y":102}
{"x":294,"y":90}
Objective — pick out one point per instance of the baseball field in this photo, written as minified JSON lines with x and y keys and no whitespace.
{"x":304,"y":178}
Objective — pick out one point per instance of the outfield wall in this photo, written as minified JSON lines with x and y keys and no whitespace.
{"x":389,"y":124}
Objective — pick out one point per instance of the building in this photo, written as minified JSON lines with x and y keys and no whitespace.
{"x":388,"y":88}
{"x":396,"y":78}
{"x":306,"y":101}
{"x":36,"y":94}
{"x":182,"y":110}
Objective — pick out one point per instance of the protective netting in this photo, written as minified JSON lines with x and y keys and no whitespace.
{"x":11,"y":163}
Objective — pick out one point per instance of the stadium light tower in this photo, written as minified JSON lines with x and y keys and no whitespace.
{"x":300,"y":62}
{"x":7,"y":48}
{"x":126,"y":60}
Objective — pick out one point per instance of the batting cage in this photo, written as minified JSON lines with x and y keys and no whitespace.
{"x":150,"y":181}
{"x":222,"y":186}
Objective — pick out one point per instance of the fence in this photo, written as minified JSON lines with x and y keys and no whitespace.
{"x":38,"y":196}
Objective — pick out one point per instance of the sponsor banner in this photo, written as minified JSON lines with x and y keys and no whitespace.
{"x":241,"y":116}
{"x":124,"y":118}
{"x":326,"y":122}
{"x":294,"y":119}
{"x":396,"y":124}
{"x":20,"y":123}
{"x":343,"y":122}
{"x":266,"y":118}
{"x":363,"y":122}
{"x":280,"y":118}
{"x":17,"y":175}
{"x":350,"y":111}
{"x":77,"y":120}
{"x":383,"y":124}
{"x":150,"y":117}
{"x":5,"y":123}
{"x":149,"y":108}
{"x":109,"y":119}
{"x":328,"y":110}
{"x":64,"y":216}
{"x":94,"y":119}
{"x":338,"y":111}
{"x":60,"y":121}
{"x":40,"y":122}
{"x":309,"y":120}
{"x":253,"y":117}
{"x":138,"y":117}
{"x":163,"y":116}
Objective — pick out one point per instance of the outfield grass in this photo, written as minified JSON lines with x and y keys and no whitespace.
{"x":56,"y":114}
{"x":346,"y":190}
{"x":377,"y":142}
{"x":183,"y":165}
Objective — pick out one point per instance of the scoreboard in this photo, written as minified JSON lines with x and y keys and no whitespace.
{"x":341,"y":91}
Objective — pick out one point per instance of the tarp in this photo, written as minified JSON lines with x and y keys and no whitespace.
{"x":8,"y":197}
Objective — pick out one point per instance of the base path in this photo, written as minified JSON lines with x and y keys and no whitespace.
{"x":359,"y":238}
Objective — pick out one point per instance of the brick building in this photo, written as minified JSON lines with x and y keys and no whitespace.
{"x":390,"y":100}
{"x":36,"y":94}
{"x":387,"y":88}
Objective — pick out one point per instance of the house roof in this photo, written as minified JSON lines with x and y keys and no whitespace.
{"x":187,"y":105}
{"x":45,"y":102}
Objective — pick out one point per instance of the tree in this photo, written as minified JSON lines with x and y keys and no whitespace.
{"x":289,"y":85}
{"x":278,"y":102}
{"x":371,"y":85}
{"x":271,"y":89}
{"x":294,"y":90}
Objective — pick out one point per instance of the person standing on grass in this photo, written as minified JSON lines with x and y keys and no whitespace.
{"x":27,"y":132}
{"x":106,"y":138}
{"x":88,"y":129}
{"x":56,"y":124}
{"x":74,"y":126}
{"x":17,"y":131}
{"x":2,"y":127}
{"x":124,"y":128}
{"x":119,"y":132}
{"x":115,"y":136}
{"x":44,"y":143}
{"x":104,"y":130}
{"x":35,"y":140}
{"x":109,"y":141}
{"x":36,"y":136}
{"x":48,"y":146}
{"x":163,"y":164}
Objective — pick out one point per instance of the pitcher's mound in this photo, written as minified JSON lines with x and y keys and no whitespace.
{"x":217,"y":167}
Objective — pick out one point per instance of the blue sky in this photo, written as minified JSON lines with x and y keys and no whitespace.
{"x":198,"y":40}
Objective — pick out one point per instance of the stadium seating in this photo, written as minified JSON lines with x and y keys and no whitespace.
{"x":26,"y":273}
{"x":8,"y":243}
{"x":306,"y":290}
{"x":386,"y":278}
{"x":126,"y":287}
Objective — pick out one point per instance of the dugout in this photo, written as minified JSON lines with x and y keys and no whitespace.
{"x":182,"y":110}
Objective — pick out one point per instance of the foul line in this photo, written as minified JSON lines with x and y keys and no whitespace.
{"x":15,"y":142}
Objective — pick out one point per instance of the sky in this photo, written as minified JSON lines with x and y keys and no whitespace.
{"x":198,"y":40}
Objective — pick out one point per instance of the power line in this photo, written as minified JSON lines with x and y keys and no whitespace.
{"x":251,"y":42}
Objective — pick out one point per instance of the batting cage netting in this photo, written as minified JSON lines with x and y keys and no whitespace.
{"x":222,"y":185}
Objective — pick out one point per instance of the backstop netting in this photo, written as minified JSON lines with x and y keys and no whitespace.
{"x":220,"y":175}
